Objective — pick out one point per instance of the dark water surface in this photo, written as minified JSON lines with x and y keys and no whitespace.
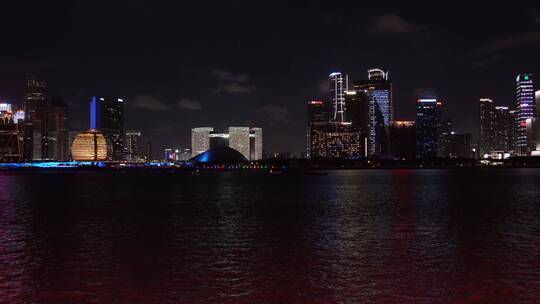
{"x":401,"y":236}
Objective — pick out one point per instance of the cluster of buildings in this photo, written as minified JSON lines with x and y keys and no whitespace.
{"x":357,"y":120}
{"x":511,"y":131}
{"x":36,"y":132}
{"x":39,"y":131}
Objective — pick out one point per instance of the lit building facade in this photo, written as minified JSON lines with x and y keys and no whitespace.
{"x":10,"y":143}
{"x":255,"y":144}
{"x":200,"y":140}
{"x":133,"y":144}
{"x":34,"y":124}
{"x":358,"y":103}
{"x":428,"y":117}
{"x":107,"y":116}
{"x":91,"y":146}
{"x":239,"y":140}
{"x":338,"y":86}
{"x":248,"y":141}
{"x":526,"y":110}
{"x":487,"y":126}
{"x":327,"y":138}
{"x":381,"y":107}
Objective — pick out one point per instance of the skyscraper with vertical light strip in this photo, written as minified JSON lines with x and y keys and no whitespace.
{"x":526,"y":110}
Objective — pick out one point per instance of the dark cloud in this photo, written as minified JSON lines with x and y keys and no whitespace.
{"x":148,"y":102}
{"x":232,"y":83}
{"x":527,"y":39}
{"x":227,"y":76}
{"x":484,"y":62}
{"x":188,"y":104}
{"x":274,"y":113}
{"x":391,"y":23}
{"x":235,"y":88}
{"x":27,"y":66}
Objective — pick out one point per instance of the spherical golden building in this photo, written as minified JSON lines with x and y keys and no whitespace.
{"x":91,"y":145}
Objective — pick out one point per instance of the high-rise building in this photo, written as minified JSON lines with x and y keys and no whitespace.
{"x":401,"y":139}
{"x":381,"y":108}
{"x":318,"y":117}
{"x":133,"y":143}
{"x":502,"y":125}
{"x":255,"y":144}
{"x":34,"y":125}
{"x":526,"y":110}
{"x":246,"y":140}
{"x":107,"y":116}
{"x":148,"y":156}
{"x":200,"y":140}
{"x":239,"y":140}
{"x":56,"y":139}
{"x":10,"y":144}
{"x":358,"y":103}
{"x":428,"y":117}
{"x":487,"y":127}
{"x":338,"y":86}
{"x":513,"y":130}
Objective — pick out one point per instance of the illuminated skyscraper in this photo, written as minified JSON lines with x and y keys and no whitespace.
{"x":318,"y":117}
{"x":428,"y":117}
{"x":358,"y":116}
{"x":487,"y":127}
{"x":239,"y":140}
{"x":34,"y":128}
{"x":133,"y":142}
{"x":200,"y":140}
{"x":107,"y":116}
{"x":338,"y":86}
{"x":526,"y":110}
{"x":381,"y":108}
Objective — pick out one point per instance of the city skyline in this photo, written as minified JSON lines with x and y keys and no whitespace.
{"x":267,"y":83}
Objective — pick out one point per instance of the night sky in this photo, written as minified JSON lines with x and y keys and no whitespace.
{"x":182,"y":65}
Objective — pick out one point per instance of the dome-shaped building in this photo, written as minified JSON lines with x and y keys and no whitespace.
{"x":220,"y":156}
{"x":91,"y":145}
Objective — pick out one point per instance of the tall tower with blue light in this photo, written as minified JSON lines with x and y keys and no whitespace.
{"x":107,"y":116}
